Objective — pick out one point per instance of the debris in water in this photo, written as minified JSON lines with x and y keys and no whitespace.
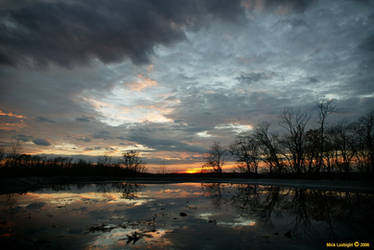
{"x":212,"y":221}
{"x":135,"y":236}
{"x":101,"y":228}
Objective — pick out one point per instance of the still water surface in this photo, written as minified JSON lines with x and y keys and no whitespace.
{"x":183,"y":216}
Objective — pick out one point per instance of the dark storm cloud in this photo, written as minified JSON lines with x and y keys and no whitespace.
{"x":206,"y":110}
{"x":163,"y":137}
{"x":74,"y":32}
{"x":67,"y":33}
{"x":164,"y":144}
{"x":367,"y":46}
{"x":297,"y":5}
{"x":41,"y":142}
{"x":231,"y":69}
{"x":51,"y":92}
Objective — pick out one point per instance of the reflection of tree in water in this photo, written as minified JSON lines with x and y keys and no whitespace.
{"x":254,"y":201}
{"x":299,"y":206}
{"x":337,"y":208}
{"x":11,"y":199}
{"x":272,"y":198}
{"x":246,"y":197}
{"x":322,"y":209}
{"x":128,"y":190}
{"x":214,"y":191}
{"x":303,"y":208}
{"x":58,"y":187}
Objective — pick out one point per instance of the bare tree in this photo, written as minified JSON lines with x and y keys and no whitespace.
{"x":2,"y":154}
{"x":13,"y":153}
{"x":365,"y":132}
{"x":132,"y":161}
{"x":246,"y":152}
{"x":325,"y":107}
{"x":105,"y":160}
{"x":269,"y":147}
{"x":295,"y":123}
{"x":312,"y":148}
{"x":342,"y":136}
{"x":215,"y":158}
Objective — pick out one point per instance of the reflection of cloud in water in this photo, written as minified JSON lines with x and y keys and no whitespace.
{"x":69,"y":198}
{"x":169,"y":193}
{"x":135,"y":203}
{"x":239,"y":222}
{"x":114,"y":238}
{"x":205,"y":216}
{"x":228,"y":216}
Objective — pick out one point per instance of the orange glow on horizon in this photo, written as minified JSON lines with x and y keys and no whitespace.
{"x":12,"y":126}
{"x":186,"y":168}
{"x":10,"y":114}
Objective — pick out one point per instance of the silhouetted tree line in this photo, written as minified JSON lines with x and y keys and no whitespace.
{"x":342,"y":148}
{"x":14,"y":163}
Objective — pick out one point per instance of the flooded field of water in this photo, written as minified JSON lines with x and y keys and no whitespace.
{"x":183,"y":216}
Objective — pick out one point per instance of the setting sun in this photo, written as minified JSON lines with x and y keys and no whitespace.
{"x":192,"y":171}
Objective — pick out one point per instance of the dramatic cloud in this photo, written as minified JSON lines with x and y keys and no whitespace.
{"x":168,"y":78}
{"x":74,"y":32}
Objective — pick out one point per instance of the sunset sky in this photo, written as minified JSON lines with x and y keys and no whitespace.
{"x":85,"y":78}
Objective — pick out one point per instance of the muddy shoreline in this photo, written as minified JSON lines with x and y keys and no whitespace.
{"x":27,"y":184}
